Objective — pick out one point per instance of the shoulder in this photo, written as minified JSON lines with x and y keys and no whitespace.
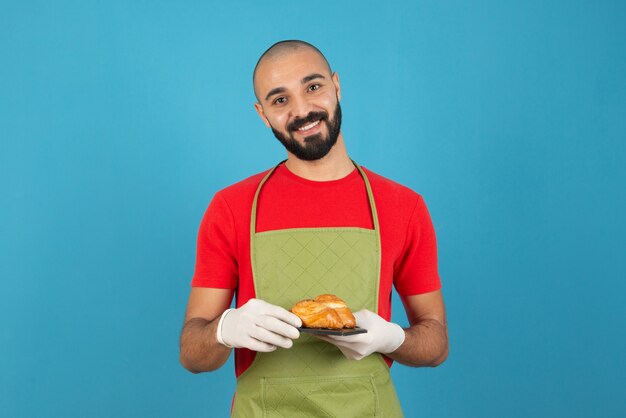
{"x":242,"y":190}
{"x":233,"y":203}
{"x":384,"y":188}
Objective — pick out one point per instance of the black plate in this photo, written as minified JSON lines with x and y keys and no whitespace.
{"x":340,"y":332}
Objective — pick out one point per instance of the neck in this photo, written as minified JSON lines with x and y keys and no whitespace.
{"x":333,"y":166}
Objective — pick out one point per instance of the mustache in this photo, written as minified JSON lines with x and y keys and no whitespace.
{"x":311,"y":117}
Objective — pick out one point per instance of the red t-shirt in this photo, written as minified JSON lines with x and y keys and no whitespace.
{"x":409,"y":249}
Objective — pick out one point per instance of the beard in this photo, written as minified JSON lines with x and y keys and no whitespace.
{"x":315,"y":146}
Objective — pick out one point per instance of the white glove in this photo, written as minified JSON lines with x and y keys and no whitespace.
{"x":258,"y":326}
{"x":381,"y":337}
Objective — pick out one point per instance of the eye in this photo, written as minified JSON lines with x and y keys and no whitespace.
{"x":314,"y":87}
{"x":280,"y":100}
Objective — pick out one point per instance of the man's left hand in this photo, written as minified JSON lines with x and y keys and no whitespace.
{"x":381,"y":337}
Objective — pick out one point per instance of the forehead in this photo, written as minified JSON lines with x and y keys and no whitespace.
{"x":288,"y":68}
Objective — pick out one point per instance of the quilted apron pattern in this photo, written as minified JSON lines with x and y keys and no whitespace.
{"x":313,"y":378}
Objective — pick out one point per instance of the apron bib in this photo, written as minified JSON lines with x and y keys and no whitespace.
{"x":313,"y":378}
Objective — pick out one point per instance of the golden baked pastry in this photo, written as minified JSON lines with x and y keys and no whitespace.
{"x":317,"y":315}
{"x":326,"y":311}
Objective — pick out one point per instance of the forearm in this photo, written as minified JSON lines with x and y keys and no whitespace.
{"x":426,"y":344}
{"x":199,"y":349}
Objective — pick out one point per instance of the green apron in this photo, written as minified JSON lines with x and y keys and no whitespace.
{"x":313,"y":378}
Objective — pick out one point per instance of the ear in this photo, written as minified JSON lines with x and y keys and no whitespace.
{"x":259,"y":110}
{"x":335,"y":79}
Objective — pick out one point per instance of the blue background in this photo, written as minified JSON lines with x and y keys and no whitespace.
{"x":119,"y":120}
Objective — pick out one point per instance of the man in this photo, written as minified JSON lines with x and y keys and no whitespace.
{"x":317,"y":223}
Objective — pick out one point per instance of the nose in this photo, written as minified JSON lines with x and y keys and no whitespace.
{"x":300,"y":107}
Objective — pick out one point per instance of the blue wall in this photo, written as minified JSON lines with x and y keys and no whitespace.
{"x":119,"y":120}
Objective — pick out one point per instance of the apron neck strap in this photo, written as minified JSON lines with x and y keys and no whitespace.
{"x":368,"y":187}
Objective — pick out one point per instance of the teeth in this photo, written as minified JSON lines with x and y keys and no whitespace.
{"x":309,"y":126}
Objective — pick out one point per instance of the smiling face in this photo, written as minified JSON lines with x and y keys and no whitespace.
{"x":298,"y":98}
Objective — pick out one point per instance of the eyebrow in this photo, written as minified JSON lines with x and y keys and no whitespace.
{"x":275,"y":91}
{"x":305,"y":80}
{"x":311,"y":77}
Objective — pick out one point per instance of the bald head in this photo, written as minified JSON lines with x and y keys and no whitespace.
{"x":282,"y":49}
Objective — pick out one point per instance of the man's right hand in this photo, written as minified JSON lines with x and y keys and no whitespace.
{"x":258,"y":326}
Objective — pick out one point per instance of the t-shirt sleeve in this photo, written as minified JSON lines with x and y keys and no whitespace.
{"x":416,"y":271}
{"x":216,"y":261}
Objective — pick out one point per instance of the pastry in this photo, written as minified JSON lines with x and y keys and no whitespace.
{"x":326,"y":311}
{"x":317,"y":315}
